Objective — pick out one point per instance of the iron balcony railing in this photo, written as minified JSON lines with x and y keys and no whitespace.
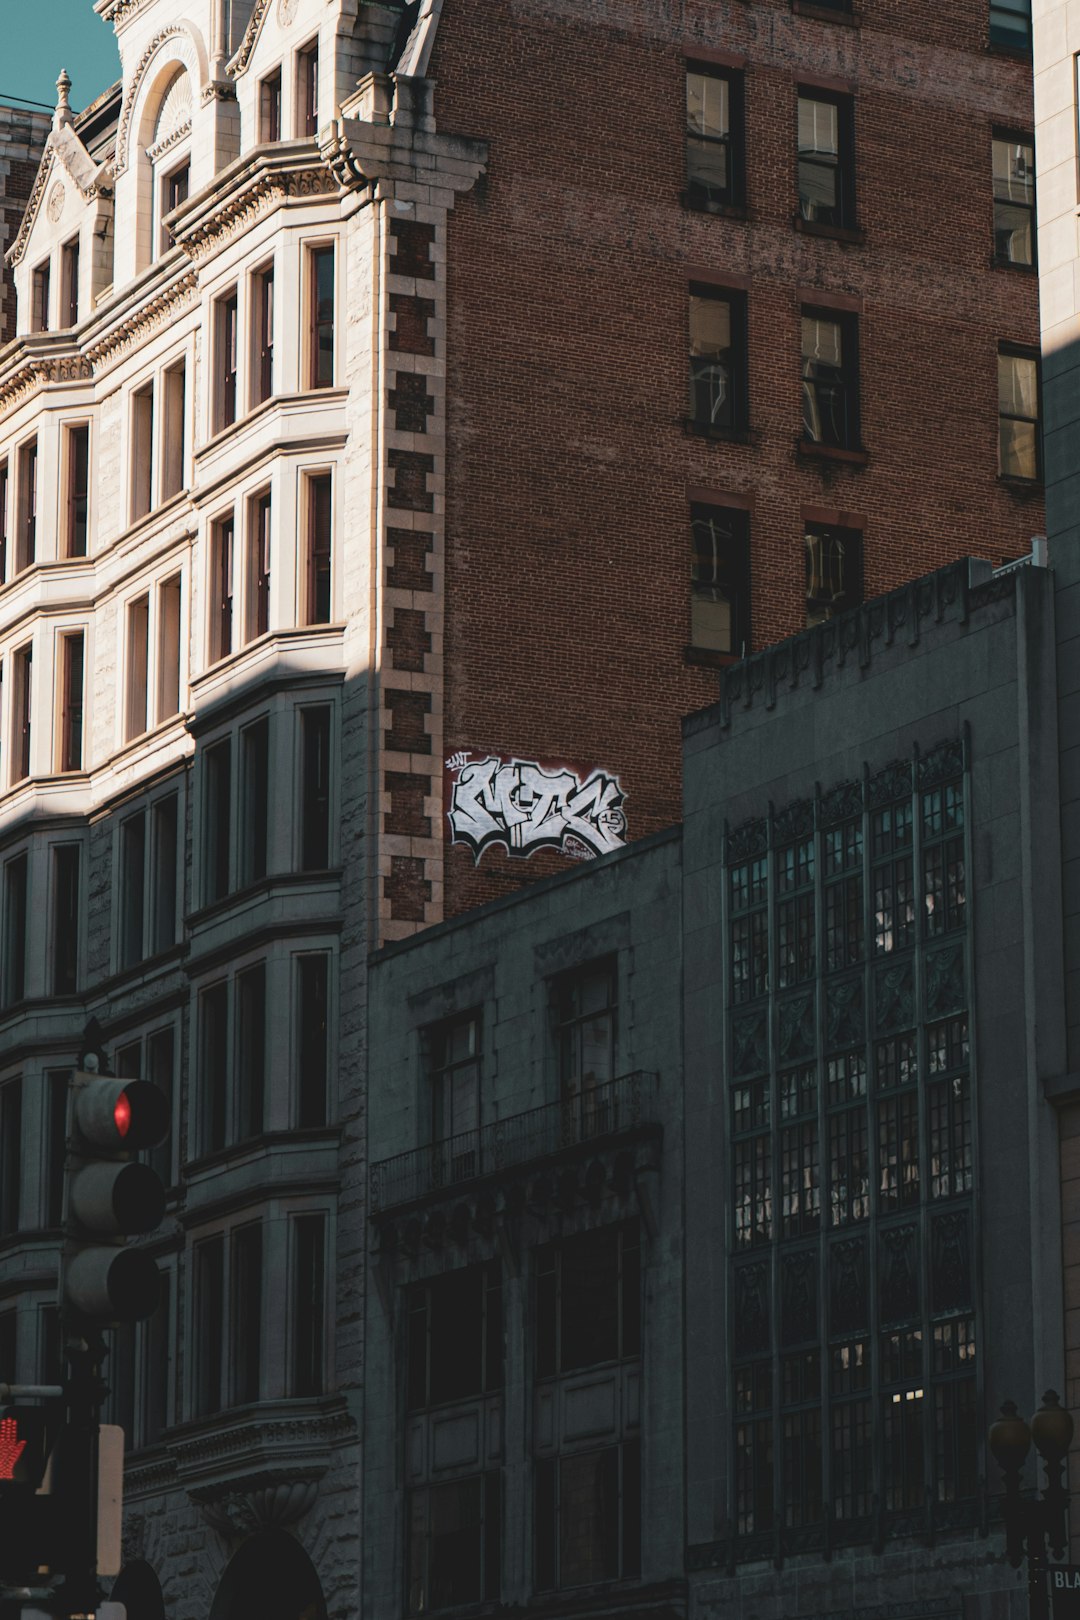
{"x":619,"y":1105}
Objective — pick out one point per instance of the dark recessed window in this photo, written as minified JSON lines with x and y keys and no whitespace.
{"x":71,"y":701}
{"x":720,"y":580}
{"x":315,"y":788}
{"x":318,"y":541}
{"x":308,"y":1305}
{"x":453,"y":1066}
{"x":174,"y":191}
{"x":307,"y":90}
{"x":270,"y":107}
{"x":39,"y":315}
{"x":69,"y":262}
{"x":77,"y":480}
{"x":254,"y":800}
{"x":826,"y":159}
{"x":251,"y":1051}
{"x":258,"y":579}
{"x":216,"y":819}
{"x":830,"y":378}
{"x":714,"y":136}
{"x":1010,"y":24}
{"x":65,"y":919}
{"x":226,"y":342}
{"x":454,"y":1543}
{"x":321,"y":335}
{"x":16,"y":917}
{"x":312,"y":1037}
{"x":1014,"y":199}
{"x":455,"y":1337}
{"x":263,"y":370}
{"x":833,"y":571}
{"x":718,"y":364}
{"x":221,"y":588}
{"x":1019,"y":449}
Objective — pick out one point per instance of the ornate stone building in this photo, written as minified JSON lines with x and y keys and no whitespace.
{"x":410,"y":406}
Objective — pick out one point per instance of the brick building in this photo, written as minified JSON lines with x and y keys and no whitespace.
{"x":22,"y":136}
{"x":373,"y":370}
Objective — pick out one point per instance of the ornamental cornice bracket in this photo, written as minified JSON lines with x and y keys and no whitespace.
{"x":242,"y":1507}
{"x":342,"y":162}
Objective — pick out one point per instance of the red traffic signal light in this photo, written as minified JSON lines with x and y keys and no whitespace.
{"x":110,"y":1196}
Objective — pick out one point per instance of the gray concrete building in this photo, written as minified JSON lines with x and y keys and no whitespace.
{"x":789,"y":1057}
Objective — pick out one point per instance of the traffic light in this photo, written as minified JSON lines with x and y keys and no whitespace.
{"x":109,"y":1196}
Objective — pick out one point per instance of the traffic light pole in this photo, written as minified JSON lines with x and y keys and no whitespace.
{"x":78,"y":1593}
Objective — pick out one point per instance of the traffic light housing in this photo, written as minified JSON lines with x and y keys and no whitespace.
{"x":110,"y":1196}
{"x":28,"y":1519}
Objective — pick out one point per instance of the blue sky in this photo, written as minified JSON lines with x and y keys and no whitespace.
{"x":38,"y":38}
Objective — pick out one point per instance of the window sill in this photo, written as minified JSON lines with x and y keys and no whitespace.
{"x":1010,"y":264}
{"x":709,"y":658}
{"x":831,"y":452}
{"x":701,"y":430}
{"x":695,"y":203}
{"x":1026,"y":488}
{"x":846,"y":19}
{"x":1016,"y":53}
{"x":851,"y":234}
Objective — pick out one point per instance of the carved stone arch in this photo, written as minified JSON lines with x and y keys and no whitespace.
{"x":179,"y":46}
{"x":270,"y":1575}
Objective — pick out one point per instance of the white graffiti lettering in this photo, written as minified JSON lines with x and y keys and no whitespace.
{"x":518,"y":804}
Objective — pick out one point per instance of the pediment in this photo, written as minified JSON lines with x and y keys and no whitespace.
{"x":65,"y":164}
{"x":241,"y":59}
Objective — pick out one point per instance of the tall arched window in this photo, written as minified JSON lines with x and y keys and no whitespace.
{"x":169,"y":155}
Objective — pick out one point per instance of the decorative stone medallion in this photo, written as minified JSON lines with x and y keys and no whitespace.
{"x":55,"y":205}
{"x":286,"y":11}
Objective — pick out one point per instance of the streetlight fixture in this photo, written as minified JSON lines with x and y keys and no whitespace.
{"x":1032,"y":1523}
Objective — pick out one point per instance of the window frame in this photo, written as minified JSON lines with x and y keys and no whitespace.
{"x":1004,"y":39}
{"x":741,"y":587}
{"x":844,"y":535}
{"x":317,"y":252}
{"x":738,"y":366}
{"x":846,"y":206}
{"x":70,"y":732}
{"x":1001,"y":136}
{"x":76,"y":487}
{"x":70,"y":256}
{"x":1020,"y":351}
{"x":847,"y":374}
{"x":314,"y":571}
{"x":41,"y":296}
{"x":699,"y":194}
{"x":306,"y":81}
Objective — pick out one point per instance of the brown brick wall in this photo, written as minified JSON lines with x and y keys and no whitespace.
{"x":410,"y":253}
{"x":568,"y":466}
{"x":409,"y":570}
{"x":411,"y":316}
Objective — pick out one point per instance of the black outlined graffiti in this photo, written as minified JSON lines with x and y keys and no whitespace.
{"x":518,"y":804}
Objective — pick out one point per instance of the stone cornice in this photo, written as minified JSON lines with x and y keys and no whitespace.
{"x":260,"y":1447}
{"x":173,"y":138}
{"x":150,"y":315}
{"x":364,"y":154}
{"x":249,"y":189}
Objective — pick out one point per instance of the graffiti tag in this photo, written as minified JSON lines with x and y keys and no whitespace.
{"x":520,"y":805}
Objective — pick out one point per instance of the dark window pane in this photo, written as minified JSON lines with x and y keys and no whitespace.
{"x":209,"y":1325}
{"x":308,"y":1304}
{"x":313,"y":986}
{"x":315,"y":789}
{"x":214,"y":1066}
{"x":251,"y":1049}
{"x":255,"y":798}
{"x":132,"y":888}
{"x":10,"y":1155}
{"x":65,"y":919}
{"x":246,"y":1313}
{"x":164,"y":818}
{"x":218,"y":769}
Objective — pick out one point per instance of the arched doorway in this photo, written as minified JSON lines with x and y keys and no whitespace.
{"x":270,"y":1576}
{"x":139,"y":1590}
